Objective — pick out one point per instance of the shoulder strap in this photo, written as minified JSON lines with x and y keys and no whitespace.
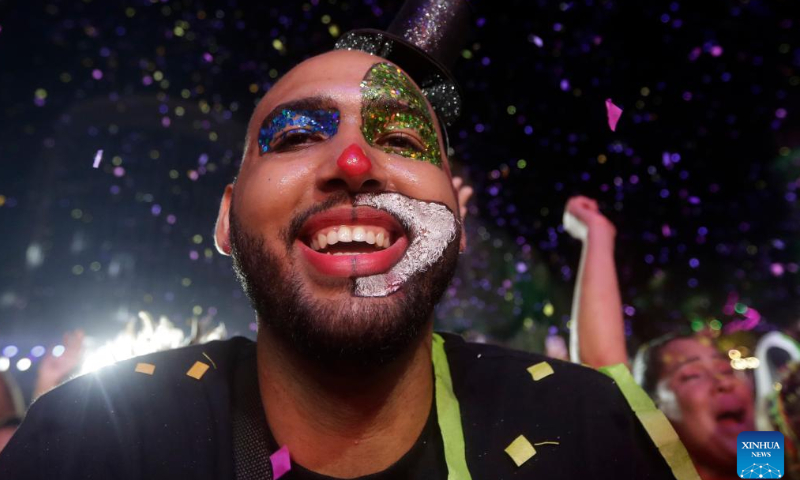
{"x":654,"y":422}
{"x":449,"y":414}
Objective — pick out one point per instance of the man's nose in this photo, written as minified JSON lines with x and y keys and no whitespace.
{"x":354,"y":171}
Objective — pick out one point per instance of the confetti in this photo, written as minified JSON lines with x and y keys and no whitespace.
{"x":198,"y":370}
{"x":281,"y":462}
{"x":613,"y":112}
{"x":146,"y":368}
{"x":209,"y":359}
{"x":540,"y":371}
{"x":98,"y":157}
{"x":520,"y":450}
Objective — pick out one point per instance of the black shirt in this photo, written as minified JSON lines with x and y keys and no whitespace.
{"x":123,"y":424}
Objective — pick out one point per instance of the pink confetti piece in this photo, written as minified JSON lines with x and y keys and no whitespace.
{"x":281,"y":462}
{"x":98,"y":157}
{"x":614,"y":112}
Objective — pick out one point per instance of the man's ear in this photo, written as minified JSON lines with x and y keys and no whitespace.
{"x":222,"y":230}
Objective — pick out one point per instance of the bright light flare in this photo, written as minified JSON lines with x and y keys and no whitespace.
{"x":24,"y":364}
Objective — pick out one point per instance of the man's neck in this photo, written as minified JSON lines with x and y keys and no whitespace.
{"x":345,"y":425}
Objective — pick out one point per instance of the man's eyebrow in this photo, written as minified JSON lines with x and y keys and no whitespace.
{"x":307,"y":103}
{"x":394,"y":105}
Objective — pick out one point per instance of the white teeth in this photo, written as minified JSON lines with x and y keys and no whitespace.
{"x":333,"y":238}
{"x":345,"y":234}
{"x":376,"y":236}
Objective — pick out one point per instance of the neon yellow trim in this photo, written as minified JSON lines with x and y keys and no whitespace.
{"x":449,"y":414}
{"x":654,"y":422}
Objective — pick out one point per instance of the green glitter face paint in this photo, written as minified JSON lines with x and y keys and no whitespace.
{"x":395,"y":117}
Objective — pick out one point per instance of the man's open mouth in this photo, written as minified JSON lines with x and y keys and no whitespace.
{"x":352,"y":242}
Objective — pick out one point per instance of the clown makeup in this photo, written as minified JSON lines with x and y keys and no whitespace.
{"x":432,"y":227}
{"x":295,"y":123}
{"x":395,"y":117}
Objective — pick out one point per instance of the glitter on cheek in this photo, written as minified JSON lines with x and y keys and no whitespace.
{"x":324,"y":122}
{"x":391,"y":103}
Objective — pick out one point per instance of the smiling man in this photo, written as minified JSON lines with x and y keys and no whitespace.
{"x":342,"y":229}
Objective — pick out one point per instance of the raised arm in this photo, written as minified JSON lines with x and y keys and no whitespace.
{"x":597,"y":335}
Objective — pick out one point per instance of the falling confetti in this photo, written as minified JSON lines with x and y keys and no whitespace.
{"x":98,"y":157}
{"x":613,"y":112}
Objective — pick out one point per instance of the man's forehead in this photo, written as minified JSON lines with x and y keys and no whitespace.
{"x":337,"y":75}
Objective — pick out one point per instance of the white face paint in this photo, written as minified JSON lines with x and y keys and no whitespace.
{"x":432,"y":227}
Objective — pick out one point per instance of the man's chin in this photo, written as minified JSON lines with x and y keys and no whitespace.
{"x":321,"y":318}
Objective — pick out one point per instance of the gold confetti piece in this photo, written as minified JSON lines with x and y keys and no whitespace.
{"x":520,"y":450}
{"x":540,"y":370}
{"x":198,"y":370}
{"x":146,"y":368}
{"x":209,"y":359}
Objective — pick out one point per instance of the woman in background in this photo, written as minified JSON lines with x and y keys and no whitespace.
{"x":691,"y":382}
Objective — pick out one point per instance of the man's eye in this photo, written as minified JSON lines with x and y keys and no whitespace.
{"x":293,"y":139}
{"x":400,"y":141}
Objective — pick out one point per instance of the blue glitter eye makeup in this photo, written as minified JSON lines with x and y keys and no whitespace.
{"x":290,"y":128}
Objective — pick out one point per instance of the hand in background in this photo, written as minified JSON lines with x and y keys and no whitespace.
{"x":55,"y":370}
{"x":582,"y":217}
{"x":464,"y":194}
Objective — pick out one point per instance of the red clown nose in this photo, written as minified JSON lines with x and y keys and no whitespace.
{"x":353,"y":161}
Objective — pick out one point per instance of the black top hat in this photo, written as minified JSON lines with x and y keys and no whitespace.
{"x":424,"y":39}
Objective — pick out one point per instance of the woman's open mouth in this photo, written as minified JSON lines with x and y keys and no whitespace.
{"x":352,"y":242}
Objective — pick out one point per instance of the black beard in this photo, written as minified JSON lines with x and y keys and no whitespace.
{"x":357,"y":332}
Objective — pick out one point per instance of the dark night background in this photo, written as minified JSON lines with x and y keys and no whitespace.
{"x":701,"y":176}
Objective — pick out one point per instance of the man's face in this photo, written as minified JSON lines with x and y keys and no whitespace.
{"x":341,"y":222}
{"x":704,"y":399}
